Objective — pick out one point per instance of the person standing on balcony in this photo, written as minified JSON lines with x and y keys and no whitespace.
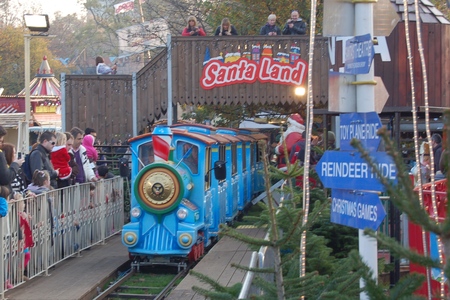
{"x":102,"y":68}
{"x":270,"y":28}
{"x":294,"y":25}
{"x":192,"y":29}
{"x":225,"y":28}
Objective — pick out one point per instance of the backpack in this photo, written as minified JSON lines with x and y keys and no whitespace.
{"x":26,"y":167}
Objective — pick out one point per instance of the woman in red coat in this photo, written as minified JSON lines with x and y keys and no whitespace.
{"x":192,"y":29}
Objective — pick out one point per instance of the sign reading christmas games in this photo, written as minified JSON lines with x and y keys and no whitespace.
{"x":234,"y":68}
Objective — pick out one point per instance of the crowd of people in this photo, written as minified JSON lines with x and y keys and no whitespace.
{"x":293,"y":26}
{"x":57,"y":160}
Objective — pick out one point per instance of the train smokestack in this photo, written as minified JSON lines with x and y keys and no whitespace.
{"x":162,"y":140}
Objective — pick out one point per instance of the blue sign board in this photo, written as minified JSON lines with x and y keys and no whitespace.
{"x":347,"y":170}
{"x":356,"y":209}
{"x":359,"y":52}
{"x":361,"y":126}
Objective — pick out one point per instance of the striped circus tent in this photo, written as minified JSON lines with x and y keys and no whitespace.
{"x":44,"y":84}
{"x":45,"y":96}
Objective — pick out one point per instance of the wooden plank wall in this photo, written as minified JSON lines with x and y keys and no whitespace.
{"x":395,"y":74}
{"x":151,"y":84}
{"x":101,"y":102}
{"x":105,"y":102}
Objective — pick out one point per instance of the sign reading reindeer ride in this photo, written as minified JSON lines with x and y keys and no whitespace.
{"x":249,"y":67}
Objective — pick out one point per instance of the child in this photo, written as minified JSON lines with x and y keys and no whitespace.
{"x":103,"y":172}
{"x":424,"y":165}
{"x":60,"y":157}
{"x":41,"y":184}
{"x":27,"y":234}
{"x":4,"y":195}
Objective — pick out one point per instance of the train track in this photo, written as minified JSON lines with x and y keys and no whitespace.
{"x":114,"y":290}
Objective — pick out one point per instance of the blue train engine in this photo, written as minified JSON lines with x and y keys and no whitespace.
{"x":187,"y":180}
{"x":172,"y":213}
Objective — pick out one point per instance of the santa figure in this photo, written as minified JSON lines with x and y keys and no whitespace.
{"x":60,"y":159}
{"x":290,"y":137}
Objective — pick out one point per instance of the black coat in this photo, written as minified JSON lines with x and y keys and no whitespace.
{"x":298,"y":29}
{"x":7,"y":174}
{"x":233,"y":31}
{"x":269,"y":28}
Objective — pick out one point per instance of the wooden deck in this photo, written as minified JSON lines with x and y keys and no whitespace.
{"x":217,"y":265}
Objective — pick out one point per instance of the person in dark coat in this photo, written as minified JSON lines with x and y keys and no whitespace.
{"x":270,"y":28}
{"x":295,"y":25}
{"x":225,"y":28}
{"x":7,"y":172}
{"x":436,"y":142}
{"x":40,"y":159}
{"x":103,"y":172}
{"x":18,"y":184}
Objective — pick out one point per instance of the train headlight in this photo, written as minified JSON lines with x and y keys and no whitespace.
{"x":136,"y":212}
{"x":182,"y":213}
{"x":185,"y":239}
{"x":130,"y":238}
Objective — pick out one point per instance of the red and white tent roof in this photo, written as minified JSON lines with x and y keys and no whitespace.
{"x":45,"y":83}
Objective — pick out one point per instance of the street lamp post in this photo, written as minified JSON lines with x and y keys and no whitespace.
{"x":38,"y":26}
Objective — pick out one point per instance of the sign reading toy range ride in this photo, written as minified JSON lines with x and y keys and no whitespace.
{"x":361,"y":126}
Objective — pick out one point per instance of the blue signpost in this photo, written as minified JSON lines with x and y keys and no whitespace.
{"x":359,"y":52}
{"x":361,"y":126}
{"x":355,"y":209}
{"x":347,"y":170}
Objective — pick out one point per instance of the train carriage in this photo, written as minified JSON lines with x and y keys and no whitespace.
{"x":182,"y":189}
{"x":257,"y":165}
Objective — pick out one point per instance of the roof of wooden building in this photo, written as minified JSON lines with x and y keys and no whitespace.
{"x":428,"y":12}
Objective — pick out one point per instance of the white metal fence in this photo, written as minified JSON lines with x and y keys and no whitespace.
{"x":63,"y":222}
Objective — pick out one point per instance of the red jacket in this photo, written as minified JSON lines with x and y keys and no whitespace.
{"x":187,"y":31}
{"x":292,"y":139}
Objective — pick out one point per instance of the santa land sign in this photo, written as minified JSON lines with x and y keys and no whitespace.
{"x":217,"y":73}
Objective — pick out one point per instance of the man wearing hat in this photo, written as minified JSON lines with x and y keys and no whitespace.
{"x":292,"y":135}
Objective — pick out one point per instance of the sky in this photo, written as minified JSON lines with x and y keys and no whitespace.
{"x":64,"y":6}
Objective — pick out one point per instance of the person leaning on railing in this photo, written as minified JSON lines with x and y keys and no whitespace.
{"x":192,"y":29}
{"x":225,"y":28}
{"x":295,"y":25}
{"x":102,"y":68}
